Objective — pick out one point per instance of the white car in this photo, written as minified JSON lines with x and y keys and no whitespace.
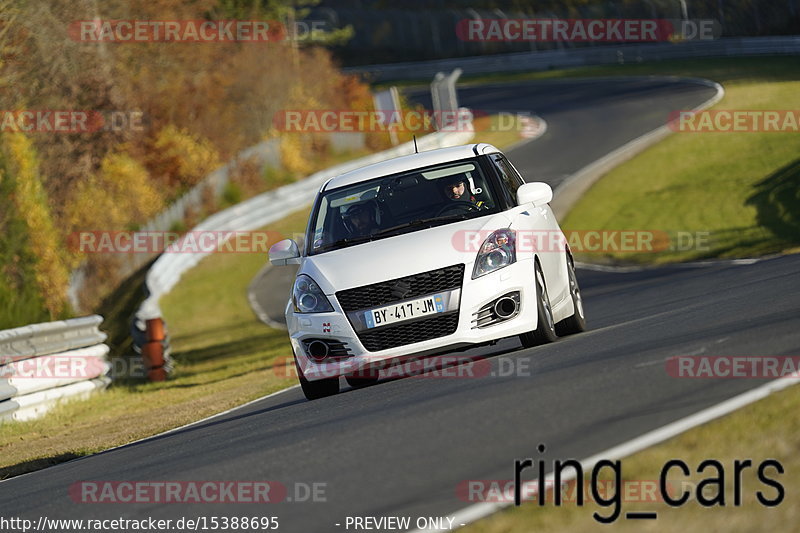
{"x":424,"y":254}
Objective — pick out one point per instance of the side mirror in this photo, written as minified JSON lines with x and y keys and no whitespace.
{"x":536,"y":193}
{"x":284,"y":253}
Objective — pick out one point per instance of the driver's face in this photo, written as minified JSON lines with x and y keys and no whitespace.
{"x":456,"y":190}
{"x":362,"y":220}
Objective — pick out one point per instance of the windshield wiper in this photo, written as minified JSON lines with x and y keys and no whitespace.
{"x":421,"y":222}
{"x":348,"y":241}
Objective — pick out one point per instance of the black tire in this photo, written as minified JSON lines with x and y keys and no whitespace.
{"x":545,"y":331}
{"x":577,"y":322}
{"x":314,"y":390}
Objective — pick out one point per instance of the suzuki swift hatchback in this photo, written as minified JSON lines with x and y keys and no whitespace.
{"x":421,"y":255}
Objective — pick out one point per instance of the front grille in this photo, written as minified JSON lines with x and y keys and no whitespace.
{"x":386,"y":292}
{"x":422,"y":330}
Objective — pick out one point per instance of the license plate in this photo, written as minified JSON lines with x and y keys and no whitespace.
{"x":391,"y":314}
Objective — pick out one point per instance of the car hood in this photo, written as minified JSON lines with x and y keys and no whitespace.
{"x":401,"y":255}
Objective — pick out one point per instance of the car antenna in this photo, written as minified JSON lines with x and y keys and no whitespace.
{"x":416,"y":151}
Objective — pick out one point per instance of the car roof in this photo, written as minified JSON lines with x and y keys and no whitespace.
{"x":409,"y":162}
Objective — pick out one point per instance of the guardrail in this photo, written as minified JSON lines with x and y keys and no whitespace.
{"x":256,"y":213}
{"x":42,"y":364}
{"x":593,"y":55}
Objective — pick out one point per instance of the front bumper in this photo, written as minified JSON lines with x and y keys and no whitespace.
{"x":473,"y":295}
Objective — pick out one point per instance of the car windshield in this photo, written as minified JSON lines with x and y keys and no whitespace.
{"x":400,"y":203}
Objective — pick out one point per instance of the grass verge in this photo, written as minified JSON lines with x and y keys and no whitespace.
{"x":759,"y":431}
{"x":728,"y":194}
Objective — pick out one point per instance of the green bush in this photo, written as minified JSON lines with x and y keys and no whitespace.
{"x":232,"y":194}
{"x":20,"y":302}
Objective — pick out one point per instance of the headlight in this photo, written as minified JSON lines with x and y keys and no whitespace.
{"x":307,"y":297}
{"x":497,"y":251}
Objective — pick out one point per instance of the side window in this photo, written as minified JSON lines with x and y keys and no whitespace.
{"x":509,"y":177}
{"x":514,"y":173}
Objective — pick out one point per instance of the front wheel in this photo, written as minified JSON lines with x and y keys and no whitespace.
{"x":577,"y":322}
{"x":545,"y":331}
{"x":314,"y":390}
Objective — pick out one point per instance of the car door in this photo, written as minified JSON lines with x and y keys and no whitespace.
{"x":538,"y":231}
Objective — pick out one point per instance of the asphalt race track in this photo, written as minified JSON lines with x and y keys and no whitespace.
{"x":402,"y":447}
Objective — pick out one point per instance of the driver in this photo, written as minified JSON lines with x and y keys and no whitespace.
{"x":361,"y":219}
{"x":456,"y":189}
